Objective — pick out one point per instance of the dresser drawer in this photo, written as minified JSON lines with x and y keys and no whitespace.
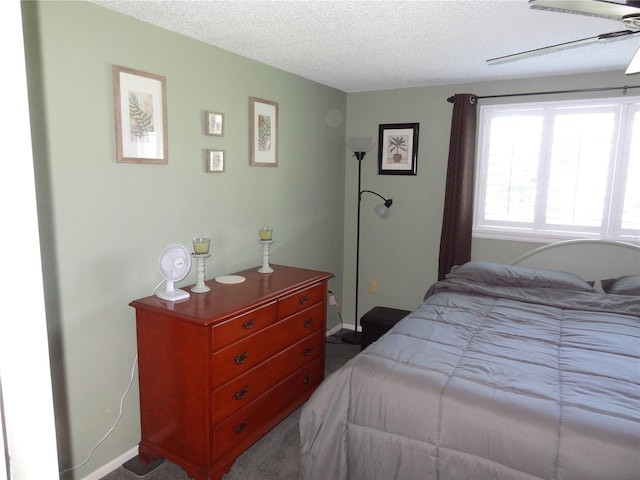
{"x":246,"y":424}
{"x":242,"y":356}
{"x":243,"y":390}
{"x":303,"y":323}
{"x":300,"y":300}
{"x":243,"y":325}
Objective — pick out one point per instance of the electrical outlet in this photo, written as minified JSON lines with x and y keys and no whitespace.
{"x":373,"y":286}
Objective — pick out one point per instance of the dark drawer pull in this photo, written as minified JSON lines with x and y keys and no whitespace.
{"x":308,"y":322}
{"x":242,"y":427}
{"x":307,"y":351}
{"x":248,"y":324}
{"x":303,"y":300}
{"x":240,"y":394}
{"x":241,"y":358}
{"x":307,"y":379}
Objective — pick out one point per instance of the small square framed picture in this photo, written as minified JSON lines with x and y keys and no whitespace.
{"x":215,"y":161}
{"x":214,"y":124}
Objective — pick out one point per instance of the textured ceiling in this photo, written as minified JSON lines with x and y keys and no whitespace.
{"x":376,"y":45}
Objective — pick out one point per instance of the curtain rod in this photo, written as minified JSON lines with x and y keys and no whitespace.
{"x":624,"y":89}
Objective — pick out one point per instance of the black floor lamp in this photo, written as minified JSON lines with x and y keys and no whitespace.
{"x":360,"y":146}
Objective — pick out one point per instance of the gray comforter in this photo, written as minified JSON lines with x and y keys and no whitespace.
{"x":486,"y":382}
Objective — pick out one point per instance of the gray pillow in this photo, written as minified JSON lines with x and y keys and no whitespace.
{"x":626,"y":285}
{"x":516,"y":276}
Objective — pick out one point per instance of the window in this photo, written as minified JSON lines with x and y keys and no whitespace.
{"x":557,"y":170}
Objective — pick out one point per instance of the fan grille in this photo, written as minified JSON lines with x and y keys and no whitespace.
{"x":174,"y":263}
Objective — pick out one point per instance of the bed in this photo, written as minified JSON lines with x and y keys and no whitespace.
{"x":503,"y":372}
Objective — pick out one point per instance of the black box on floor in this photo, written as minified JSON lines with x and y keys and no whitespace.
{"x":378,"y":321}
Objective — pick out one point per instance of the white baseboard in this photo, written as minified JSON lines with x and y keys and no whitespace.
{"x":112,"y":465}
{"x":343,"y":326}
{"x":333,"y":330}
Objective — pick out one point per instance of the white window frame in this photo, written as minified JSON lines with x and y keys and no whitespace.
{"x":538,"y":231}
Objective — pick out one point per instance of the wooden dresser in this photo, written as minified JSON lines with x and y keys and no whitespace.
{"x":219,"y":370}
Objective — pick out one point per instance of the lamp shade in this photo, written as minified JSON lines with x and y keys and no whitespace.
{"x":360,"y":144}
{"x":634,"y":66}
{"x":382,"y":211}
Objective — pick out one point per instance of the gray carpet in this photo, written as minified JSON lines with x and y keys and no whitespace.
{"x":276,"y":456}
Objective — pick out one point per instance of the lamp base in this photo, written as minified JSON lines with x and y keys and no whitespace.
{"x":353,"y":338}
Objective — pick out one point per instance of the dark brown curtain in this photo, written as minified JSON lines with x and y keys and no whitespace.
{"x":455,"y":239}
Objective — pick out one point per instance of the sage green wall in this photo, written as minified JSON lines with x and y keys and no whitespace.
{"x":103,"y":224}
{"x":401,"y":253}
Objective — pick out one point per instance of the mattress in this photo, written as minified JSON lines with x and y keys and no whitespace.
{"x":487,"y":380}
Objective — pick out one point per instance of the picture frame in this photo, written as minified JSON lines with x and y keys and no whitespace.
{"x":215,"y":161}
{"x":140,"y":105}
{"x":398,"y":149}
{"x":263,"y":132}
{"x":214,"y":124}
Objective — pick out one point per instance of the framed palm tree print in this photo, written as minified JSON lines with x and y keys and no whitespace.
{"x":398,"y":149}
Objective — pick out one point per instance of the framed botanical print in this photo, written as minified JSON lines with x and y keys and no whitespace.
{"x":398,"y":149}
{"x":263,"y":117}
{"x":140,"y":103}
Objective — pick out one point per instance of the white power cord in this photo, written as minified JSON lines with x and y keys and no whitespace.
{"x":133,"y":370}
{"x":334,"y":302}
{"x":157,"y":287}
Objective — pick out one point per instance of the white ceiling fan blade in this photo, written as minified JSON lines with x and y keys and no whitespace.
{"x":561,"y":46}
{"x":634,"y":66}
{"x":595,"y":8}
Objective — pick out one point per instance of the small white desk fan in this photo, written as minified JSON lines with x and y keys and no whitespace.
{"x":174,"y":264}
